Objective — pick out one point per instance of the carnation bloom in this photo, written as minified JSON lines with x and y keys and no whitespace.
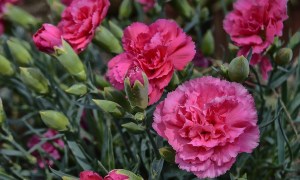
{"x":80,"y":20}
{"x":158,"y":50}
{"x":208,"y":122}
{"x":47,"y":37}
{"x":112,"y":175}
{"x":147,"y":4}
{"x":47,"y":147}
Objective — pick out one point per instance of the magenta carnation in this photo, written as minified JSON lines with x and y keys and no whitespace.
{"x":158,"y":50}
{"x":89,"y":175}
{"x":208,"y":122}
{"x":48,"y":147}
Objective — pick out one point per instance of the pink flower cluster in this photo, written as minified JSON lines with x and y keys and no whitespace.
{"x":254,"y":24}
{"x":208,"y":122}
{"x":147,"y":4}
{"x":3,"y":3}
{"x":158,"y":50}
{"x":112,"y":175}
{"x":77,"y":26}
{"x":48,"y":147}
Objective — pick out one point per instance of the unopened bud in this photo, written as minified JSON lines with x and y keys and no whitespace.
{"x":55,"y":120}
{"x":238,"y":69}
{"x":20,"y":53}
{"x":204,"y":14}
{"x":134,"y":128}
{"x":34,"y":79}
{"x":101,"y":82}
{"x":114,"y":95}
{"x":2,"y":113}
{"x":136,"y":88}
{"x":70,"y":61}
{"x":284,"y":56}
{"x":125,"y":9}
{"x":105,"y":39}
{"x":77,"y":89}
{"x":115,"y":29}
{"x":19,"y":16}
{"x":110,"y":107}
{"x":168,"y":154}
{"x":183,"y":8}
{"x":6,"y":67}
{"x":115,"y":174}
{"x":208,"y":44}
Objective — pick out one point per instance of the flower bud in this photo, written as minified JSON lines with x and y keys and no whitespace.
{"x":70,"y":61}
{"x":19,"y":16}
{"x":20,"y":53}
{"x":24,"y":43}
{"x":101,"y":82}
{"x":136,"y":87}
{"x":77,"y":89}
{"x":105,"y":39}
{"x":134,"y":128}
{"x":47,"y":37}
{"x":238,"y":69}
{"x":283,"y":56}
{"x":34,"y":79}
{"x":115,"y":29}
{"x":125,"y":9}
{"x":204,"y":14}
{"x":2,"y":113}
{"x":114,"y":95}
{"x":183,"y":8}
{"x":55,"y":120}
{"x":168,"y":154}
{"x":208,"y":44}
{"x":122,"y":174}
{"x":6,"y":67}
{"x":110,"y":107}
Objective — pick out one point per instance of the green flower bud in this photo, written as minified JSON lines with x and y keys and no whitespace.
{"x":115,"y":29}
{"x":183,"y":8}
{"x":25,"y":44}
{"x":168,"y":154}
{"x":70,"y":61}
{"x":105,"y":39}
{"x":110,"y":107}
{"x":283,"y":56}
{"x":77,"y":89}
{"x":114,"y":95}
{"x":20,"y":53}
{"x":238,"y":69}
{"x":125,"y":9}
{"x":55,"y":120}
{"x":101,"y":81}
{"x":130,"y":175}
{"x":204,"y":14}
{"x":208,"y":44}
{"x":2,"y":113}
{"x":6,"y":67}
{"x":138,"y":93}
{"x":34,"y":79}
{"x":134,"y":128}
{"x":19,"y":16}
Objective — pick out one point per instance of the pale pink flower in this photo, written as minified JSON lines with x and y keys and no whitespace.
{"x":158,"y":50}
{"x":255,"y":24}
{"x":47,"y":147}
{"x":208,"y":122}
{"x":147,"y":4}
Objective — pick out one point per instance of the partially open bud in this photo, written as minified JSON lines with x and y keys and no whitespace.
{"x":122,"y":174}
{"x":105,"y":39}
{"x":238,"y":69}
{"x":208,"y":44}
{"x":283,"y":56}
{"x":47,"y":37}
{"x":6,"y":67}
{"x":110,"y":107}
{"x":2,"y":113}
{"x":168,"y":154}
{"x":70,"y":60}
{"x":125,"y":9}
{"x":136,"y":87}
{"x":34,"y":79}
{"x":183,"y":8}
{"x":19,"y":16}
{"x":77,"y":89}
{"x":55,"y":120}
{"x":134,"y":128}
{"x":115,"y":29}
{"x":20,"y":53}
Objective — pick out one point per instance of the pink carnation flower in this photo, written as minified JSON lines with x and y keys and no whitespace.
{"x":147,"y":4}
{"x":89,"y":175}
{"x":112,"y":175}
{"x":208,"y":122}
{"x":48,"y":147}
{"x":80,"y":21}
{"x":255,"y":23}
{"x":158,"y":50}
